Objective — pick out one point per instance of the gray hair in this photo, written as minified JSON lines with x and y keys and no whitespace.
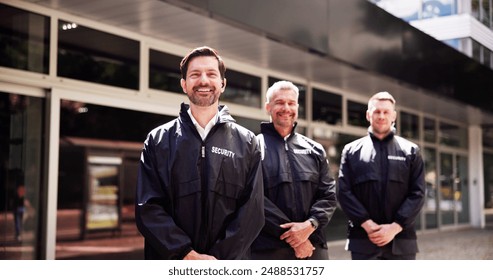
{"x":281,"y":85}
{"x":383,"y":95}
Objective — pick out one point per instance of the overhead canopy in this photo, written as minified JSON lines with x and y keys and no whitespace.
{"x":350,"y":44}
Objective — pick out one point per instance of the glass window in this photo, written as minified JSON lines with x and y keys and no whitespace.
{"x":475,"y":9}
{"x":488,"y":137}
{"x":301,"y":98}
{"x":95,"y":56}
{"x":409,"y":126}
{"x":327,"y":107}
{"x":486,"y":57}
{"x":485,"y":12}
{"x":461,"y":195}
{"x":99,"y":154}
{"x":21,"y":166}
{"x":164,"y":71}
{"x":454,"y":43}
{"x":433,"y":8}
{"x":25,"y":38}
{"x":357,"y":114}
{"x":242,"y":89}
{"x":488,"y":180}
{"x":447,"y":189}
{"x":430,"y":208}
{"x":334,"y":143}
{"x":476,"y":51}
{"x":430,"y":131}
{"x":453,"y":135}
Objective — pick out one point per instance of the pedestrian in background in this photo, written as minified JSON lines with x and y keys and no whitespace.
{"x":299,"y":193}
{"x":200,"y":189}
{"x":381,"y":187}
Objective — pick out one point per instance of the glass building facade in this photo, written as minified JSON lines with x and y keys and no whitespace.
{"x":93,"y":111}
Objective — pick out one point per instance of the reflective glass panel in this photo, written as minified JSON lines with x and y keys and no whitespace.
{"x":357,"y":114}
{"x":488,"y":180}
{"x":95,"y":56}
{"x":334,"y":143}
{"x":327,"y":107}
{"x":488,"y":137}
{"x":453,"y":135}
{"x":21,"y":167}
{"x":447,"y":202}
{"x":98,"y":158}
{"x":433,"y":8}
{"x":475,"y":8}
{"x":485,"y":12}
{"x":243,"y":89}
{"x":164,"y":71}
{"x":409,"y":125}
{"x":430,"y":208}
{"x":430,"y":131}
{"x":461,"y":194}
{"x":24,"y":38}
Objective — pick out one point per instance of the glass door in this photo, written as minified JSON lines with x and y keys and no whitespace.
{"x":454,"y":190}
{"x":21,"y":139}
{"x":447,"y":189}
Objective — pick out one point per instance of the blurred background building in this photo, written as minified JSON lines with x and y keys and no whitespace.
{"x":82,"y":82}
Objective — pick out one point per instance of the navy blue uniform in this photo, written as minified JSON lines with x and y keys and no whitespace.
{"x":382,"y":180}
{"x":202,"y":195}
{"x":297,"y":186}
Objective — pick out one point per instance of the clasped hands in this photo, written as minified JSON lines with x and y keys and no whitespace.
{"x":381,"y":235}
{"x":297,"y":237}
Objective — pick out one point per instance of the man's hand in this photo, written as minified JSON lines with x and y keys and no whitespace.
{"x":193,"y":255}
{"x":305,"y":250}
{"x":370,"y":226}
{"x":297,"y":233}
{"x":385,"y":234}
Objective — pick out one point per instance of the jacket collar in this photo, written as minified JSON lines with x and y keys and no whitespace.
{"x":223,"y":115}
{"x":268,"y":128}
{"x":385,"y":139}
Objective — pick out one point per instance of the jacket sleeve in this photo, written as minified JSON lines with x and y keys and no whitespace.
{"x":325,"y":200}
{"x":274,"y":217}
{"x":351,"y":206}
{"x":245,"y":226}
{"x":410,"y":208}
{"x":153,"y":221}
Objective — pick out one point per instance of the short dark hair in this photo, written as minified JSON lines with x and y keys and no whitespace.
{"x":201,"y":51}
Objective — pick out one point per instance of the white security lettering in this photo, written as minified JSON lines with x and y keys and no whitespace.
{"x":221,"y":151}
{"x":396,"y":158}
{"x":302,"y":151}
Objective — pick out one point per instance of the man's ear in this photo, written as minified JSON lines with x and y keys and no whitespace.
{"x":267,"y":107}
{"x":367,"y":115}
{"x":223,"y":85}
{"x":183,"y":85}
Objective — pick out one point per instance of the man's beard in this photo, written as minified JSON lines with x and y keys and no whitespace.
{"x":203,"y":101}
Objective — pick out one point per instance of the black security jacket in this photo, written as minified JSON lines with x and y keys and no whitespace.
{"x":199,"y":195}
{"x":297,"y":186}
{"x":382,"y":180}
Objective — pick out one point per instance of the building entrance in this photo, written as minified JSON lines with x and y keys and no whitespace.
{"x":98,"y":157}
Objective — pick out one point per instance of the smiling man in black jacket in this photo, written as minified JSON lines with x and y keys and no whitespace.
{"x":300,"y":195}
{"x":200,"y":188}
{"x":381,"y":187}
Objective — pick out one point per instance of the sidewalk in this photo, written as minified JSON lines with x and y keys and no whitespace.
{"x":457,"y":244}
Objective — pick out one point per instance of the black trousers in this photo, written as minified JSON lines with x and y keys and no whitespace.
{"x":385,"y":253}
{"x":288,"y":254}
